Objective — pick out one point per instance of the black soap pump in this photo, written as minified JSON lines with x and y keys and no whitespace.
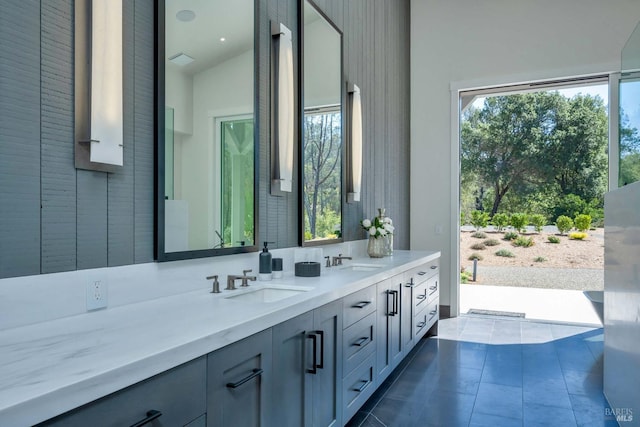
{"x":265,"y":263}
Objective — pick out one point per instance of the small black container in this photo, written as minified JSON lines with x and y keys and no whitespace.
{"x":307,"y":269}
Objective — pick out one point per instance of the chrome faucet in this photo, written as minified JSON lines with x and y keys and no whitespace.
{"x":231,"y":280}
{"x":216,"y":284}
{"x":337,"y":260}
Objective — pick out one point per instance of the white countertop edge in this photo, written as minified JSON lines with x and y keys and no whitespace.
{"x":55,"y":399}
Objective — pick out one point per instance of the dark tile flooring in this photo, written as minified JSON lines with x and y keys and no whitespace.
{"x":481,"y":371}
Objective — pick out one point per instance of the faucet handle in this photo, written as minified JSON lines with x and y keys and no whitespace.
{"x":216,"y":284}
{"x":244,"y":272}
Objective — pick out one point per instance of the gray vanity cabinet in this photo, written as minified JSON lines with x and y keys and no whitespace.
{"x":175,"y":398}
{"x":239,"y":382}
{"x":389,"y":326}
{"x":307,"y":357}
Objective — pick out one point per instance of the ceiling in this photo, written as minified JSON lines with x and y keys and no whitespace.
{"x":200,"y":38}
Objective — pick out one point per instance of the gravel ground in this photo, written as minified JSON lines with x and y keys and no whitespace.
{"x":548,"y":278}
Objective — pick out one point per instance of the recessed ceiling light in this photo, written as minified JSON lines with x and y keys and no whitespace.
{"x":181,"y":59}
{"x":222,"y":39}
{"x":185,"y":15}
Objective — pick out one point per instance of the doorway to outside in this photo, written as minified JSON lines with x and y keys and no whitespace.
{"x":534,"y":169}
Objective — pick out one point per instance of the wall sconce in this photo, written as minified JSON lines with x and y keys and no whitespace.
{"x":354,"y":152}
{"x":283,"y":111}
{"x":99,"y":85}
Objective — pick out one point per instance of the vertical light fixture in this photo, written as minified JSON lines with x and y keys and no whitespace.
{"x":354,"y":164}
{"x":99,"y":85}
{"x":283,"y":111}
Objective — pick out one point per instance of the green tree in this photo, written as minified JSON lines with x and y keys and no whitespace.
{"x":518,"y":221}
{"x":500,"y":220}
{"x":479,"y":219}
{"x":538,"y":221}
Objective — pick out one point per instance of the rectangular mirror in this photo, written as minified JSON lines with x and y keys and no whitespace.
{"x":322,"y":128}
{"x":206,"y":86}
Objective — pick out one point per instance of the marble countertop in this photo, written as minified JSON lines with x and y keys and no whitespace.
{"x":49,"y":368}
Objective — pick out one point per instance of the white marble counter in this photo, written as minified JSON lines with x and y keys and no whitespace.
{"x":51,"y":367}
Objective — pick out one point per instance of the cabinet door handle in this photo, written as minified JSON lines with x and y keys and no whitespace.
{"x":321,"y":365}
{"x":254,"y":373}
{"x":410,"y":284}
{"x":361,"y":304}
{"x":390,"y":311}
{"x":365,"y":384}
{"x":314,"y":363}
{"x":361,"y":341}
{"x":395,"y":302}
{"x":151,"y":415}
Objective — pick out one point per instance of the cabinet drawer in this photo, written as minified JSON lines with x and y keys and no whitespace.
{"x":179,"y":395}
{"x":358,"y":305}
{"x":424,"y":272}
{"x":425,"y":319}
{"x":357,"y":387}
{"x":357,"y":342}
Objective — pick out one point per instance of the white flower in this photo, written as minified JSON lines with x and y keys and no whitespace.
{"x":366,"y":223}
{"x":387,"y":220}
{"x":382,"y":231}
{"x":372,"y":231}
{"x":389,"y":228}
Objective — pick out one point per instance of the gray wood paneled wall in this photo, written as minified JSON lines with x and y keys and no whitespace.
{"x":56,"y":218}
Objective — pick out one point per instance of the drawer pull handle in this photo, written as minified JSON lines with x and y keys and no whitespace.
{"x":410,"y":284}
{"x":151,"y":415}
{"x":422,"y":273}
{"x":254,"y":373}
{"x":421,"y":296}
{"x":421,"y":324}
{"x":314,"y":364}
{"x":362,"y":341}
{"x":433,"y":267}
{"x":365,"y":384}
{"x":361,"y":304}
{"x":433,"y":288}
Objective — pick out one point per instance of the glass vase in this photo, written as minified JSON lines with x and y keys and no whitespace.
{"x":388,"y":244}
{"x":376,"y":247}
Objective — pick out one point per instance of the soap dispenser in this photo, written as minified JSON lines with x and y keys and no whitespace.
{"x":265,"y":263}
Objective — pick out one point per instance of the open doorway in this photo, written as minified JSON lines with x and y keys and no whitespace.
{"x":534,"y":170}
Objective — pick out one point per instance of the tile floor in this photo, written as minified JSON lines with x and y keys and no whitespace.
{"x":495,"y":372}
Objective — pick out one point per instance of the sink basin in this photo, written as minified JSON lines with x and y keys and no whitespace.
{"x":268,"y":293}
{"x":362,"y":267}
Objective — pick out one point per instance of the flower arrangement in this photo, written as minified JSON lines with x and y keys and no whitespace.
{"x":380,"y":226}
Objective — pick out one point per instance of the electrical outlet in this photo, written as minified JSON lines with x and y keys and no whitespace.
{"x":96,"y":293}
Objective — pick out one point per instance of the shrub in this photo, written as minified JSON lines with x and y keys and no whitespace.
{"x":583,"y":222}
{"x":538,"y":221}
{"x":570,"y":205}
{"x":539,"y":259}
{"x":479,"y":219}
{"x":475,"y":256}
{"x":553,"y":239}
{"x":578,"y":235}
{"x":564,"y":224}
{"x":463,"y":218}
{"x":500,"y":220}
{"x":491,"y":242}
{"x":478,"y":246}
{"x":465,"y":276}
{"x":518,"y":221}
{"x":510,"y":235}
{"x":479,"y":235}
{"x":523,"y":242}
{"x":505,"y":253}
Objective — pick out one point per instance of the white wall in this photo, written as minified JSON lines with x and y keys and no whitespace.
{"x":471,"y":43}
{"x":223,"y":90}
{"x":179,"y":96}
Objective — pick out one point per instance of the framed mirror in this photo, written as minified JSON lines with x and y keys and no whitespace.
{"x":321,"y":139}
{"x":206,"y":103}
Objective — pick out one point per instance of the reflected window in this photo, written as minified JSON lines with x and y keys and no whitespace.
{"x":322,"y":145}
{"x":629,"y":137}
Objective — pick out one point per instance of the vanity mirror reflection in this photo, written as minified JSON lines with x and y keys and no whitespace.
{"x":206,"y":119}
{"x":322,"y":128}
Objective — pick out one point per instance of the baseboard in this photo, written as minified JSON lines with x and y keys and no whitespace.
{"x":445,"y":311}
